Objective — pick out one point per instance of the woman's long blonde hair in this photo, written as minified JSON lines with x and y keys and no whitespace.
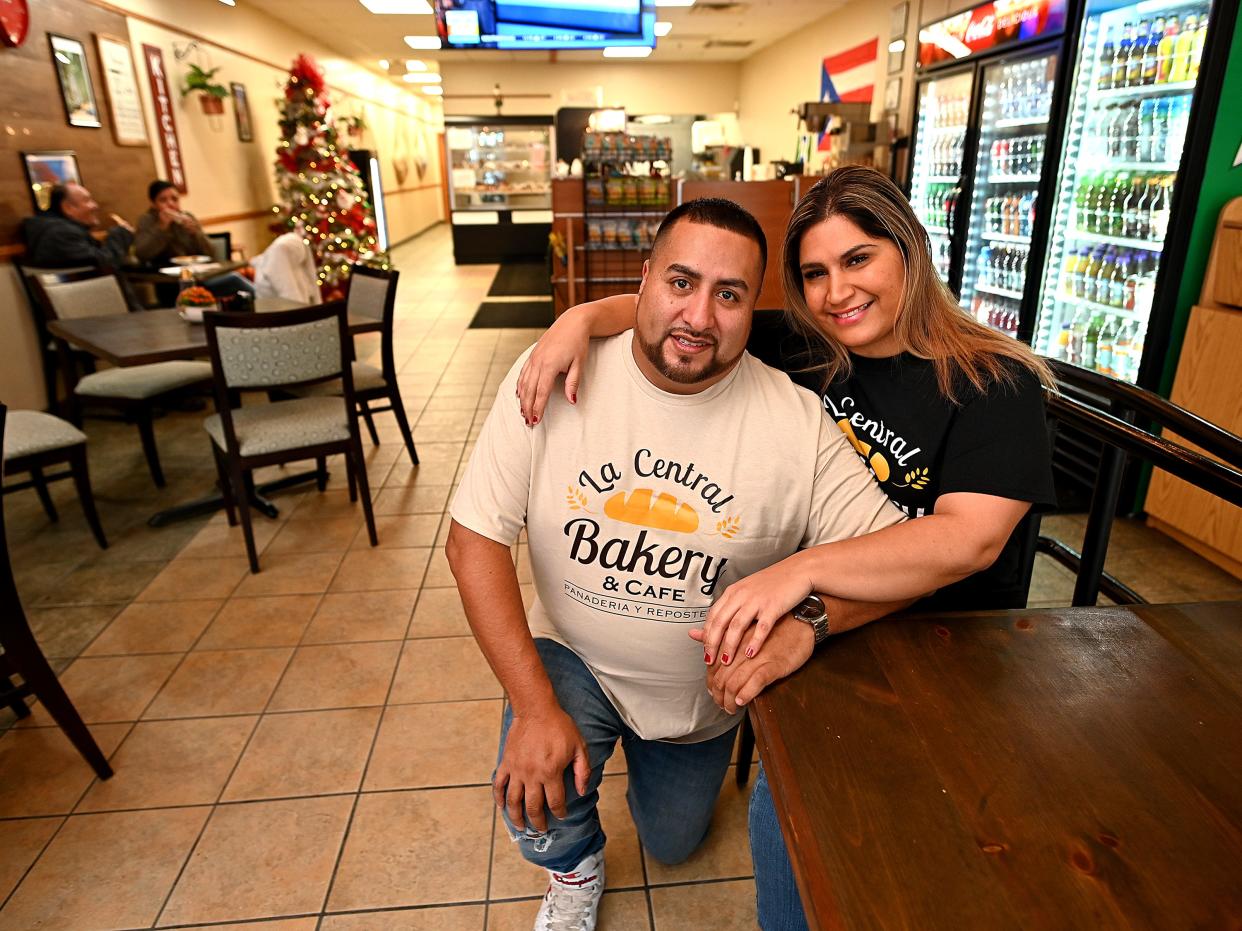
{"x":929,"y":324}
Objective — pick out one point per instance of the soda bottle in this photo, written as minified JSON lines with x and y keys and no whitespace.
{"x":1136,"y":349}
{"x":1132,"y":132}
{"x":1121,"y":351}
{"x":1077,"y":336}
{"x":1060,"y":348}
{"x":1084,"y":219}
{"x":1104,"y":65}
{"x":1091,"y":341}
{"x":1146,"y":126}
{"x":1196,"y":49}
{"x":1159,"y":210}
{"x":1182,"y":50}
{"x":1121,"y":55}
{"x":1164,"y":53}
{"x":1134,"y":62}
{"x":1159,"y":131}
{"x":1080,"y":269}
{"x":1114,"y":130}
{"x":1104,"y":347}
{"x":1117,"y":280}
{"x":1086,"y":283}
{"x":1179,"y":121}
{"x":1151,"y":51}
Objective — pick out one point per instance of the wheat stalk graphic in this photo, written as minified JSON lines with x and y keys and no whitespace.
{"x":727,"y":527}
{"x":576,"y":500}
{"x":916,"y":479}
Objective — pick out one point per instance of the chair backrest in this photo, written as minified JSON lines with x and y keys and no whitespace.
{"x":93,"y":293}
{"x":221,"y":246}
{"x":278,"y":349}
{"x":1104,"y":408}
{"x":373,"y":293}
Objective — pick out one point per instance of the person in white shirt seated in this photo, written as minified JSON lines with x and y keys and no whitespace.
{"x":286,"y":269}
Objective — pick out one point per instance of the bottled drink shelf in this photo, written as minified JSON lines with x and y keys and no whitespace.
{"x":1152,"y":167}
{"x":1021,"y":121}
{"x":999,"y":292}
{"x":1143,"y":90}
{"x":936,"y":230}
{"x":1005,"y":237}
{"x":1013,"y":179}
{"x":942,"y":179}
{"x":943,"y":130}
{"x":1073,"y":301}
{"x":1143,"y":244}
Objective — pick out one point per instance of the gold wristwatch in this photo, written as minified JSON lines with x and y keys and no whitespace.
{"x":812,"y":611}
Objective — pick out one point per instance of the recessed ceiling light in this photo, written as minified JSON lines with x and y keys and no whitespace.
{"x":421,"y":77}
{"x":383,"y":63}
{"x":627,"y":51}
{"x":413,"y":64}
{"x":663,"y":29}
{"x":674,"y":2}
{"x":397,"y":7}
{"x":434,"y":89}
{"x":423,"y":42}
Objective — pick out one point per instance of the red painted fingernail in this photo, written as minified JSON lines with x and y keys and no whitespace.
{"x":707,"y":658}
{"x":573,"y":398}
{"x":534,"y":420}
{"x":750,"y":652}
{"x":724,"y":658}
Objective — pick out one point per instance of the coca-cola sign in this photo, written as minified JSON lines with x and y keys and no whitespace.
{"x":991,"y":25}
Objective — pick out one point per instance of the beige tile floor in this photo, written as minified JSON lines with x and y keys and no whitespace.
{"x":310,"y":747}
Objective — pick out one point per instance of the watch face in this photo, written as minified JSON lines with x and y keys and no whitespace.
{"x":14,"y":22}
{"x":810,"y":609}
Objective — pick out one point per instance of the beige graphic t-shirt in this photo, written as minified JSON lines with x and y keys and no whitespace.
{"x":641,"y":507}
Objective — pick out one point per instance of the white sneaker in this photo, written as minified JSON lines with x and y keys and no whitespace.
{"x":572,"y":898}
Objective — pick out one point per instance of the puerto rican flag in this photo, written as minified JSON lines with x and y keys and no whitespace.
{"x":848,"y":77}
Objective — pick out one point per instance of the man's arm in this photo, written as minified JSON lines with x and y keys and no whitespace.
{"x":151,"y":239}
{"x":543,"y":739}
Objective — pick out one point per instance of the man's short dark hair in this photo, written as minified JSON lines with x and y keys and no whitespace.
{"x":722,"y":214}
{"x":158,"y":187}
{"x":56,"y":199}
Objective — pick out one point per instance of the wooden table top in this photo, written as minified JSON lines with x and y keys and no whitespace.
{"x":1048,"y":769}
{"x":147,"y":336}
{"x":157,"y":276}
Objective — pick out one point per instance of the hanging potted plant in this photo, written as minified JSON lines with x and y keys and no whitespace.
{"x":210,"y":95}
{"x":355,"y":126}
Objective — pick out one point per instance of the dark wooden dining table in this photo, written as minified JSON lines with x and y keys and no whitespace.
{"x":199,"y":273}
{"x":1060,"y":768}
{"x":147,"y":336}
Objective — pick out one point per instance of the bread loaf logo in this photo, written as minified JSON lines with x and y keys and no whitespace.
{"x":663,"y":512}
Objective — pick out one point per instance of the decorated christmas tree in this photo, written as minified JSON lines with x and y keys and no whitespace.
{"x":321,"y":191}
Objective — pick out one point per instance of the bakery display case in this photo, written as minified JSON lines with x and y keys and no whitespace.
{"x":500,"y":186}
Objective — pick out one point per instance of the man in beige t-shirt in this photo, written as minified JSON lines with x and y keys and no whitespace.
{"x":686,"y":466}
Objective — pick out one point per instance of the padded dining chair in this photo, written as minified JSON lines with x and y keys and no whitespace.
{"x":373,"y":293}
{"x":277,"y":351}
{"x":221,"y":246}
{"x":21,"y":657}
{"x":133,"y":391}
{"x":34,"y":441}
{"x":51,"y":361}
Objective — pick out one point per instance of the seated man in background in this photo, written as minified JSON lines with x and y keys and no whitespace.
{"x":166,"y":232}
{"x":60,"y":237}
{"x":686,"y":465}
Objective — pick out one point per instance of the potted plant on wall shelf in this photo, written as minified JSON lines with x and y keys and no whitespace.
{"x":210,"y":95}
{"x":354,"y":125}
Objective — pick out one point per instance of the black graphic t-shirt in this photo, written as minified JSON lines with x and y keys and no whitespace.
{"x":920,"y":446}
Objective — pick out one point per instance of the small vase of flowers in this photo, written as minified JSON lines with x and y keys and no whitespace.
{"x":192,"y":301}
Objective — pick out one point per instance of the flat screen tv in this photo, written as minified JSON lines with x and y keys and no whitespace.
{"x":515,"y":25}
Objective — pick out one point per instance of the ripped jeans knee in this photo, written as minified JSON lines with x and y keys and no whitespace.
{"x":562,"y":846}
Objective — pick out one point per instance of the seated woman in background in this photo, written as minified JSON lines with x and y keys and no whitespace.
{"x":166,"y":232}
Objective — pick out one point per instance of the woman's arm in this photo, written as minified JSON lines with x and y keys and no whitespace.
{"x":563,"y":349}
{"x":964,"y":536}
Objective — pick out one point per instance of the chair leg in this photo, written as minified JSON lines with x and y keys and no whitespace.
{"x":398,"y":411}
{"x":16,"y":704}
{"x":82,"y":480}
{"x":237,"y":478}
{"x":146,"y":430}
{"x":321,"y":473}
{"x":351,"y":478}
{"x":25,"y":656}
{"x":226,"y":484}
{"x":365,"y":407}
{"x":745,"y":750}
{"x":40,"y":484}
{"x":364,"y":488}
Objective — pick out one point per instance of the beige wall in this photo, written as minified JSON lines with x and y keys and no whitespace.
{"x":639,"y":87}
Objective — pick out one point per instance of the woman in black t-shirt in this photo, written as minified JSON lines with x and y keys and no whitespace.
{"x":947,"y":413}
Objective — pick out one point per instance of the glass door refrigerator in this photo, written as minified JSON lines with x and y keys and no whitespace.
{"x":1145,"y":92}
{"x":985,"y":99}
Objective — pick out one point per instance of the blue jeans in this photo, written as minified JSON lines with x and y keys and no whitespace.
{"x":776,"y":892}
{"x":672,"y":787}
{"x":226,"y":285}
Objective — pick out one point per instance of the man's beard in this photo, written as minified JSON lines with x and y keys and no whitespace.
{"x":685,"y":373}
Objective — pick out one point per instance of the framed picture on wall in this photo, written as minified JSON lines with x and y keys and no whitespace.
{"x":241,"y":109}
{"x":116,"y":61}
{"x":44,"y":169}
{"x":74,"y":73}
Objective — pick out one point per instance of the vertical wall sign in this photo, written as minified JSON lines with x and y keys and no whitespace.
{"x":165,"y":125}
